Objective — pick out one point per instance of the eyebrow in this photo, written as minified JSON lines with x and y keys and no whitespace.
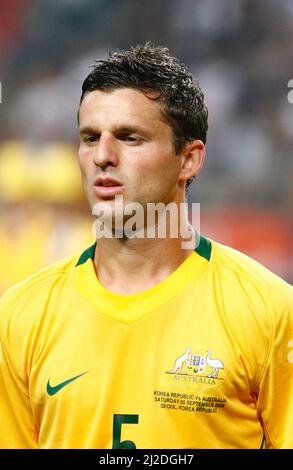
{"x":116,"y":130}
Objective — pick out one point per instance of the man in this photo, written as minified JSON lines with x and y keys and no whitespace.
{"x":139,"y":342}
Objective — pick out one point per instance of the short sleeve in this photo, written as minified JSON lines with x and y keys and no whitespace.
{"x":17,"y":427}
{"x":275,"y":394}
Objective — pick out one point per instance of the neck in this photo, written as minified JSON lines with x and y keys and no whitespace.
{"x":130,"y":266}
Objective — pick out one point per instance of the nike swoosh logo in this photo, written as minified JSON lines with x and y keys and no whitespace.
{"x":52,"y":390}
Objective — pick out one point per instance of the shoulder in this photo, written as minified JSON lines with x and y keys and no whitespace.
{"x":39,"y":285}
{"x":255,"y":301}
{"x":250,"y":276}
{"x":30,"y":309}
{"x":256,"y":305}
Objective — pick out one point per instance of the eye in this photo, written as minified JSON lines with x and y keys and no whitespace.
{"x":91,"y":138}
{"x":130,"y":138}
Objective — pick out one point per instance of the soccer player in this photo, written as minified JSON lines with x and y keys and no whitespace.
{"x":140,"y":342}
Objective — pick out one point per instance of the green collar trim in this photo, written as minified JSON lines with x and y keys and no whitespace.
{"x":204,"y":249}
{"x":89,"y":253}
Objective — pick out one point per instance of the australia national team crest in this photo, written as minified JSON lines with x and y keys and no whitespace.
{"x":198,"y":365}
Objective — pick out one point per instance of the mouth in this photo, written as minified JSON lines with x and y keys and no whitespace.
{"x":107,"y":187}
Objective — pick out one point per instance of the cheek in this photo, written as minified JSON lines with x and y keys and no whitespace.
{"x":84,"y":162}
{"x":156,"y":163}
{"x":154,"y":177}
{"x":81,"y":160}
{"x":164,"y":169}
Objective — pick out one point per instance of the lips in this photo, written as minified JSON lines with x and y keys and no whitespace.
{"x":107,"y":187}
{"x":107,"y":182}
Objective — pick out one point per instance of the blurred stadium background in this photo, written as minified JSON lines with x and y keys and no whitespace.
{"x":241,"y":53}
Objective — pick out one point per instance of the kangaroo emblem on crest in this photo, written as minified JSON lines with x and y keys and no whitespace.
{"x":180,"y":361}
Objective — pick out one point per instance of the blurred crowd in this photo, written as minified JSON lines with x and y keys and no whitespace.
{"x":241,"y":53}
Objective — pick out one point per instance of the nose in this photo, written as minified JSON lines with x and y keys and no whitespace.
{"x":106,"y":151}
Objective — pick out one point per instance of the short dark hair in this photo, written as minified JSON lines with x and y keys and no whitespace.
{"x":149,"y":68}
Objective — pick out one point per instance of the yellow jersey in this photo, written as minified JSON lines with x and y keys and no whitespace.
{"x":201,"y":360}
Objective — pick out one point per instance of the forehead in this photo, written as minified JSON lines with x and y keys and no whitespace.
{"x":120,"y":105}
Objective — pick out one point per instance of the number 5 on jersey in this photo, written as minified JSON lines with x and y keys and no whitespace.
{"x":118,"y":420}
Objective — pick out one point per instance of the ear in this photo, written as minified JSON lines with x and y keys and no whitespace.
{"x":192,"y":155}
